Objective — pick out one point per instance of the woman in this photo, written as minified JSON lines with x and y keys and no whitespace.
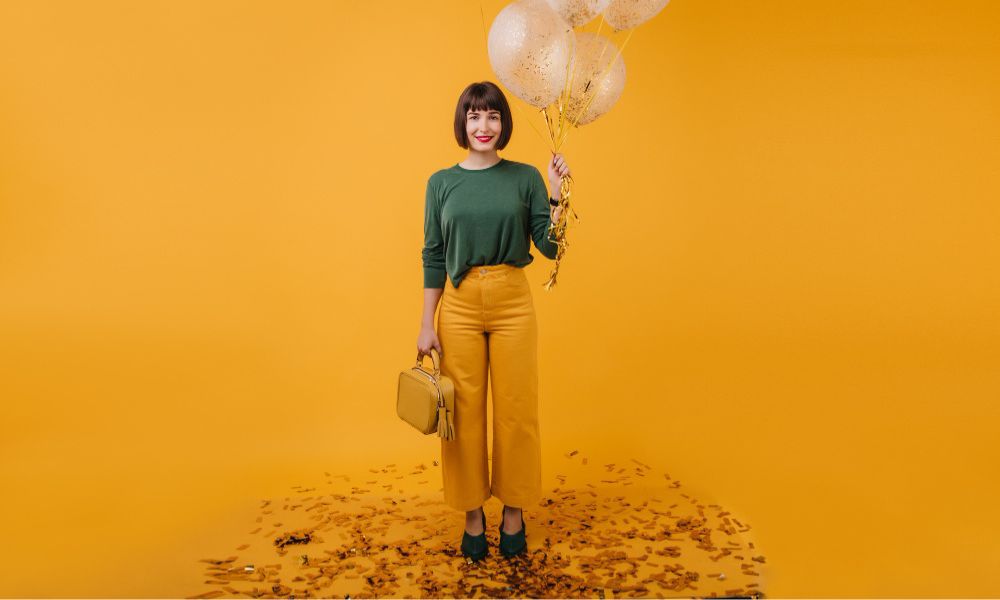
{"x":480,"y":217}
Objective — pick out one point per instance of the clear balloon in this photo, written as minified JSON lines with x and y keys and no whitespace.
{"x":626,"y":14}
{"x":598,"y":78}
{"x":530,"y":47}
{"x":578,"y":12}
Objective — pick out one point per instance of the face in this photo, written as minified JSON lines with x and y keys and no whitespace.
{"x":480,"y":125}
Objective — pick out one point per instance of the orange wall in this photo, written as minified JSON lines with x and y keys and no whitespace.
{"x":784,"y":288}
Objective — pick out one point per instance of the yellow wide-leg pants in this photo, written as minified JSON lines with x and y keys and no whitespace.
{"x":487,"y":325}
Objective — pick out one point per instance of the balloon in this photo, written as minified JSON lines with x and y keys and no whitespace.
{"x":592,"y":77}
{"x":530,"y":47}
{"x":626,"y":14}
{"x":578,"y":12}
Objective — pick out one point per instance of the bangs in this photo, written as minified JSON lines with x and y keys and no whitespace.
{"x":485,"y":99}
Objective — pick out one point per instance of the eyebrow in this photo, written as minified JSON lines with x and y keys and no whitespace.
{"x":491,"y":112}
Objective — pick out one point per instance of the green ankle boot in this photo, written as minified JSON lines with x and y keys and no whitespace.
{"x":475,"y":546}
{"x":515,"y":543}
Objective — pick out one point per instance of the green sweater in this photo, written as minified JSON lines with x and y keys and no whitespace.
{"x":483,"y":217}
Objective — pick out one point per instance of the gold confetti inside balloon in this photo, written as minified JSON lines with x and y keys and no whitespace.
{"x":530,"y":46}
{"x":626,"y":14}
{"x":578,"y":12}
{"x":598,"y":78}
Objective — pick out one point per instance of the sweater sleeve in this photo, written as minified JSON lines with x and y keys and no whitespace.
{"x":540,"y":217}
{"x":433,"y":251}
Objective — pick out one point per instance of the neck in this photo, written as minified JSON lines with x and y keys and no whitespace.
{"x":480,"y":160}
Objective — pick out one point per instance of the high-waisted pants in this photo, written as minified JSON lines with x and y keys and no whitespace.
{"x":487,"y":325}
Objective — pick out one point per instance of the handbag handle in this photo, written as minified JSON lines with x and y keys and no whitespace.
{"x":435,"y":360}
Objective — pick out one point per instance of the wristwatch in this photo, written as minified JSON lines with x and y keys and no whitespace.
{"x":553,"y":201}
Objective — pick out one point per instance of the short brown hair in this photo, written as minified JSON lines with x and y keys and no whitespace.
{"x":483,"y":95}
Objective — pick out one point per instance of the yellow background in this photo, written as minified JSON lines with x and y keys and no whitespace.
{"x":783,"y":290}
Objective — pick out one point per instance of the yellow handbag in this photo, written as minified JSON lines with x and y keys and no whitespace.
{"x":426,"y":399}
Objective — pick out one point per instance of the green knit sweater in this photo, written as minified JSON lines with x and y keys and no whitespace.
{"x":483,"y":217}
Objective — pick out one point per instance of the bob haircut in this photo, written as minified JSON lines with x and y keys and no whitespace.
{"x":484,"y":95}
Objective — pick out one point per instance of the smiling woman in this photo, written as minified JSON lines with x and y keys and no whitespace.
{"x":480,"y":218}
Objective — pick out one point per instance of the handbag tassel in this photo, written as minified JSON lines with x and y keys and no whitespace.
{"x":446,"y":429}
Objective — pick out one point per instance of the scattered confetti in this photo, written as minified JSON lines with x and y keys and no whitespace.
{"x":587,"y":538}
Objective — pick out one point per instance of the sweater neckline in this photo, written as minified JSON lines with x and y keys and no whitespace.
{"x":493,"y":166}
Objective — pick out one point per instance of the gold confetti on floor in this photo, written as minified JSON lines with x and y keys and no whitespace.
{"x":589,"y":537}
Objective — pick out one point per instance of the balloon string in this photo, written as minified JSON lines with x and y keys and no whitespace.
{"x":486,"y":37}
{"x":563,"y":100}
{"x":550,"y":125}
{"x":486,"y":43}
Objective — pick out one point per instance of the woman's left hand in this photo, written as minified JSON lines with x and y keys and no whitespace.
{"x":557,"y":170}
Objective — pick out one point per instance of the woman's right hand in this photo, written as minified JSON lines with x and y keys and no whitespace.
{"x":426,"y":340}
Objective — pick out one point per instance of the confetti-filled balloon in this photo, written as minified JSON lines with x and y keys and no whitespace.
{"x":596,"y":79}
{"x":578,"y":12}
{"x":530,"y":46}
{"x":626,"y":14}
